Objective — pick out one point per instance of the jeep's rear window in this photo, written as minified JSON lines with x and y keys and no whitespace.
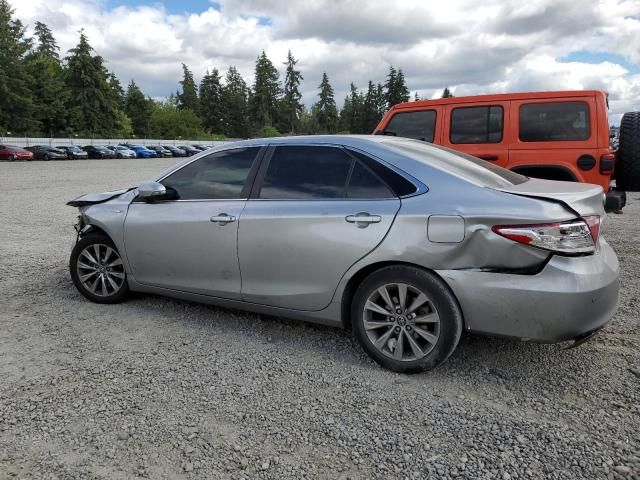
{"x":476,"y":124}
{"x":419,"y":125}
{"x":554,"y":122}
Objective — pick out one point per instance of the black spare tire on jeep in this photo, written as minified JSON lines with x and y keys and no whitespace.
{"x":628,"y":165}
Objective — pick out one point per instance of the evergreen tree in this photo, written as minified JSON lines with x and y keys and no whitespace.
{"x":397,"y":91}
{"x":380,"y":101}
{"x":117,"y":93}
{"x":352,"y":112}
{"x":446,"y":93}
{"x":47,"y":83}
{"x":47,"y":44}
{"x":264,"y":97}
{"x":416,"y":97}
{"x":370,"y":109}
{"x":235,"y":108}
{"x":326,"y":110}
{"x":138,"y":109}
{"x":211,"y":102}
{"x":188,"y":98}
{"x":16,"y":104}
{"x":91,"y":104}
{"x":292,"y":100}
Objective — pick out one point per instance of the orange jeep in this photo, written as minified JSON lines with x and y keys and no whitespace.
{"x":551,"y":135}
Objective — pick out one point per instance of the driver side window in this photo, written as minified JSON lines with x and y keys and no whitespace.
{"x":221,"y":175}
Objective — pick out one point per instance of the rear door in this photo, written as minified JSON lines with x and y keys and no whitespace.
{"x":314,"y":212}
{"x":556,"y":137}
{"x":479,"y":130}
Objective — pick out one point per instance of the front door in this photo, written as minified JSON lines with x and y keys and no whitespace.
{"x":317,"y":211}
{"x":190,"y":243}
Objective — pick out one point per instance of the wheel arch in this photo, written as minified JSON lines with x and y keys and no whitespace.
{"x":358,"y":277}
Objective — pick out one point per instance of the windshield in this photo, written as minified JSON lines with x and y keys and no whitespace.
{"x":466,"y":166}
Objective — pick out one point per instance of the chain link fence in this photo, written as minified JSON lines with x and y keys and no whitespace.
{"x":80,"y":142}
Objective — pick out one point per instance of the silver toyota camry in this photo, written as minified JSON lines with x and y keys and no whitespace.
{"x":405,"y":243}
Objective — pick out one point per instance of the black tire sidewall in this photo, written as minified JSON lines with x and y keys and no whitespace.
{"x":628,"y":165}
{"x":75,"y":253}
{"x":11,"y":158}
{"x":451,"y":322}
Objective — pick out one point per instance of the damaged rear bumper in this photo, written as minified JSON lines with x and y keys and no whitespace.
{"x":568,"y":298}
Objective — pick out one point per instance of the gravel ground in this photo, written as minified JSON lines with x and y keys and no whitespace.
{"x":159,"y":388}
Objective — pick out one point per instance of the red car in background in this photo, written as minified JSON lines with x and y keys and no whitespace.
{"x":12,"y":152}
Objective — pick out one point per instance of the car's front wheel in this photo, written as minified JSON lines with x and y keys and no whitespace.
{"x":97,"y":270}
{"x":406,"y":319}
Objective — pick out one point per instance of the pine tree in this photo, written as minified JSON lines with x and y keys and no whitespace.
{"x":416,"y":97}
{"x":234,"y":99}
{"x":211,"y":102}
{"x":16,"y":104}
{"x":264,"y":97}
{"x":138,"y":109}
{"x":47,"y":83}
{"x":47,"y":44}
{"x":446,"y":93}
{"x":326,"y":111}
{"x":91,"y":104}
{"x":188,"y":98}
{"x":117,"y":93}
{"x":292,"y":100}
{"x":369,"y":109}
{"x":397,"y":91}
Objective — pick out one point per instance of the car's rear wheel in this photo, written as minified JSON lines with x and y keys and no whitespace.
{"x":11,"y":158}
{"x":97,"y":270}
{"x":406,"y":319}
{"x":628,"y":167}
{"x":45,"y":157}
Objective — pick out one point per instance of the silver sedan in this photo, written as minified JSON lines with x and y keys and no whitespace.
{"x":405,"y":243}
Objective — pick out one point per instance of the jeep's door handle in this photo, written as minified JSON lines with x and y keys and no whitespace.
{"x":363,"y":219}
{"x":488,"y":156}
{"x":223,"y":219}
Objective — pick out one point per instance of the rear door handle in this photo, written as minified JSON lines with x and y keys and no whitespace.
{"x":363,"y":219}
{"x":223,"y":219}
{"x":488,"y":156}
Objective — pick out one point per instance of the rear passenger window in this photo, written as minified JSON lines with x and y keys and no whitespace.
{"x":306,"y":172}
{"x":477,"y":124}
{"x":365,"y":184}
{"x":553,"y":122}
{"x":419,"y":125}
{"x":400,"y":186}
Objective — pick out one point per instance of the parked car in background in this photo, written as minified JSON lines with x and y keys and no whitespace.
{"x":142,"y":151}
{"x":98,"y":151}
{"x":549,"y":135}
{"x":406,"y":243}
{"x":123,"y":151}
{"x":160,"y":150}
{"x":176,"y":152}
{"x":190,"y":150}
{"x":202,"y":147}
{"x":13,"y":152}
{"x":73,"y":152}
{"x":44,"y":152}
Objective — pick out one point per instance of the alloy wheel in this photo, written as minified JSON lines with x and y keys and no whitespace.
{"x":100,"y":270}
{"x":401,"y":321}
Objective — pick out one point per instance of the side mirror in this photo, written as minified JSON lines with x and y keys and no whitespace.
{"x":151,"y":190}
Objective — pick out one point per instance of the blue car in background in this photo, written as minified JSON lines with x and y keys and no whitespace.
{"x":143,"y":152}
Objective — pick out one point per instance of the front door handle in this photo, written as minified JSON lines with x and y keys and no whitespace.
{"x":223,"y":219}
{"x":363,"y":219}
{"x":488,"y":156}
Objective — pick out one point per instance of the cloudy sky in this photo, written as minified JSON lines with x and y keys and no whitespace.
{"x":470,"y":46}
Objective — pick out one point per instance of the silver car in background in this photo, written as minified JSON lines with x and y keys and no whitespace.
{"x":405,"y":243}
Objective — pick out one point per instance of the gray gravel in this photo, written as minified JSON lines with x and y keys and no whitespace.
{"x":160,"y":388}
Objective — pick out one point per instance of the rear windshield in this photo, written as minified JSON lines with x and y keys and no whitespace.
{"x":470,"y":168}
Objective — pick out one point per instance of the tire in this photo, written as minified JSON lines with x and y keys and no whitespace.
{"x":97,"y":253}
{"x":435,"y":335}
{"x":45,"y":158}
{"x":11,"y":158}
{"x":628,"y":165}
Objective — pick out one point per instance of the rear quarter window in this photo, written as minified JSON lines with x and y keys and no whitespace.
{"x":554,"y":122}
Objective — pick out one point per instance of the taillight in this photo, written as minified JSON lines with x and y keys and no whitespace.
{"x":569,"y":238}
{"x":607,"y":163}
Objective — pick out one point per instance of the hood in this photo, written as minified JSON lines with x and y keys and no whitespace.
{"x":92,"y":198}
{"x":582,"y":198}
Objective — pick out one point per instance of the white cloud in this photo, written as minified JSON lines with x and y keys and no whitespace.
{"x":472,"y":47}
